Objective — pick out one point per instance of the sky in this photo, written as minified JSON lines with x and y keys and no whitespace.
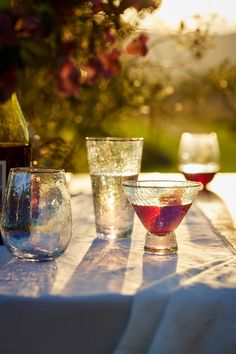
{"x":171,"y":12}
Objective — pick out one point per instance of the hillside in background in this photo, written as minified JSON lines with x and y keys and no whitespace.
{"x":166,"y":52}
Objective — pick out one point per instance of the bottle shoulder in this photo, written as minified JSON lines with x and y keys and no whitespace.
{"x":14,"y":128}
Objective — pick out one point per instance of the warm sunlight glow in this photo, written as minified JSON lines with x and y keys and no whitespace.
{"x":171,"y":12}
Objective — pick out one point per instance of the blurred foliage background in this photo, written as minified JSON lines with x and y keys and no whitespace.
{"x":157,"y":96}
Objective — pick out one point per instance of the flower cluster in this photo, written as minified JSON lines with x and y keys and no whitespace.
{"x":77,"y":41}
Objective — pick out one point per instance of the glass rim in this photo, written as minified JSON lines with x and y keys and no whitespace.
{"x":115,"y":138}
{"x":36,"y":170}
{"x":211,"y":134}
{"x":159,"y":184}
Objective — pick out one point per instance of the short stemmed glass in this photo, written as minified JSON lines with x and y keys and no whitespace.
{"x":161,"y":206}
{"x":199,"y":156}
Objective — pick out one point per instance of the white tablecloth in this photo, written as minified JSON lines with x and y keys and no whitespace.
{"x":98,"y":291}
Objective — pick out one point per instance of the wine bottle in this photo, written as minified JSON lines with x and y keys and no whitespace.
{"x":14,"y":141}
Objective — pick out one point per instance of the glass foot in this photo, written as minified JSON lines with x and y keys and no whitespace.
{"x":161,"y":244}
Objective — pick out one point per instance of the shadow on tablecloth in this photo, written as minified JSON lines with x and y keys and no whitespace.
{"x":101,"y":270}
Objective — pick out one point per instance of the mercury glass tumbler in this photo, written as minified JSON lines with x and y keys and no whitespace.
{"x":36,"y":221}
{"x":111,"y":161}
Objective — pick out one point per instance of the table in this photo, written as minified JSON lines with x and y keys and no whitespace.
{"x":92,"y":295}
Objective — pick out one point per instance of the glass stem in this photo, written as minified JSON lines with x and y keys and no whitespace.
{"x":161,"y":244}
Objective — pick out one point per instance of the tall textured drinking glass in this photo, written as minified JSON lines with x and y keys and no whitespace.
{"x":36,"y":215}
{"x":112,"y":161}
{"x":199,"y":155}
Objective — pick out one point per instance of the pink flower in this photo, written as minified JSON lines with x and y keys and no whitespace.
{"x":105,"y":65}
{"x":68,"y":79}
{"x":110,"y":62}
{"x":137,"y":47}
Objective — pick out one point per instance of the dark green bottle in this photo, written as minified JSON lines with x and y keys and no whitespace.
{"x":14,"y":141}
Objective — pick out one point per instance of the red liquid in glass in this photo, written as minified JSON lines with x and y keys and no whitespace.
{"x":203,"y":177}
{"x":15,"y":155}
{"x":161,"y":220}
{"x":203,"y":173}
{"x":11,"y":155}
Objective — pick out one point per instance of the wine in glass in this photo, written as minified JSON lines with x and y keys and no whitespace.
{"x":199,"y":156}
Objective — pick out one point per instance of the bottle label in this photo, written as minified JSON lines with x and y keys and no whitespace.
{"x":3,"y":179}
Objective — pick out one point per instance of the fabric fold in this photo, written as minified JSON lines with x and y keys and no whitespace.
{"x":176,"y":314}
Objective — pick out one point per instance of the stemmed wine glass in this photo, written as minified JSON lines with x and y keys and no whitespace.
{"x":161,"y":206}
{"x":199,"y":156}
